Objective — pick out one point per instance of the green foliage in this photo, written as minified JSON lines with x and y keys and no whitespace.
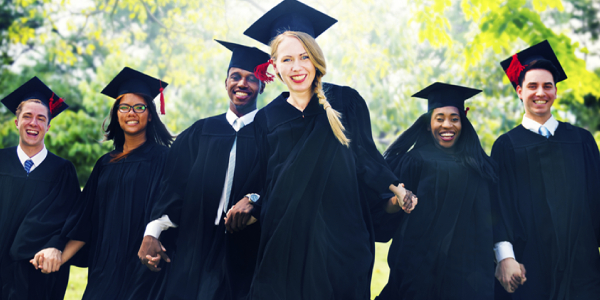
{"x":387,"y":50}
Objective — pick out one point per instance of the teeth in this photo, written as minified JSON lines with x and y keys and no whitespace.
{"x":132,"y":122}
{"x":447,"y":134}
{"x":540,"y":102}
{"x":32,"y":132}
{"x":241,"y":94}
{"x":298,"y":77}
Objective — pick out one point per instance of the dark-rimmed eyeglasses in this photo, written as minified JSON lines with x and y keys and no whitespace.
{"x":137,"y":108}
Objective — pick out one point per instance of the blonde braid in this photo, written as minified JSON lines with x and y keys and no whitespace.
{"x":318,"y":60}
{"x":332,"y":115}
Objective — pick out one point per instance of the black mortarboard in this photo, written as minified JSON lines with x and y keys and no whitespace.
{"x":250,"y":59}
{"x":132,"y":81}
{"x":442,"y":94}
{"x":289,"y":15}
{"x":517,"y":62}
{"x":35,"y":89}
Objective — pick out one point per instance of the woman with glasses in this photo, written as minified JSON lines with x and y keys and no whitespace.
{"x":118,"y":197}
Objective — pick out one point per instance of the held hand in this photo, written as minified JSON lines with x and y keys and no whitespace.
{"x":150,"y":253}
{"x":408,"y":199}
{"x":238,"y":217}
{"x":511,"y":274}
{"x":48,"y":260}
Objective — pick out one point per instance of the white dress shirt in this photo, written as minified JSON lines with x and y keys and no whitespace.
{"x":534,"y":126}
{"x":36,"y":159}
{"x":163,"y":223}
{"x":505,"y":249}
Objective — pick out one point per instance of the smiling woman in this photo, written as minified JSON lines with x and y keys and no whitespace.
{"x":317,"y":160}
{"x":119,"y":194}
{"x":449,"y":236}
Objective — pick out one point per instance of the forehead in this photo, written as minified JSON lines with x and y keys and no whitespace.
{"x":538,"y":75}
{"x":242,"y":72}
{"x":132,"y":99}
{"x":290,"y":46}
{"x":446,"y":110}
{"x":35,"y":109}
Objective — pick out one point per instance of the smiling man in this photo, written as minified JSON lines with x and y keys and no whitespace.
{"x":549,"y":203}
{"x":210,"y":168}
{"x":37,"y":192}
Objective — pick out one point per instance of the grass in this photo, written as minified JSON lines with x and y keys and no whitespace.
{"x":78,"y":277}
{"x":77,"y":283}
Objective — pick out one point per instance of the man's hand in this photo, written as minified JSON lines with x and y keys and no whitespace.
{"x":238,"y":217}
{"x":150,"y":253}
{"x":48,"y":260}
{"x":511,"y":274}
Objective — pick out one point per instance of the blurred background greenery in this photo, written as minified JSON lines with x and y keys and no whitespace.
{"x":386,"y":49}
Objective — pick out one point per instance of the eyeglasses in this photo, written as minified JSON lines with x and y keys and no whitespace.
{"x":137,"y":108}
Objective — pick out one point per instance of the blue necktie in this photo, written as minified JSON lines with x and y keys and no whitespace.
{"x":543,"y":131}
{"x":28,"y":165}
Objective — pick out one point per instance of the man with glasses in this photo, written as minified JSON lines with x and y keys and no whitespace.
{"x":210,"y":168}
{"x":37,"y":191}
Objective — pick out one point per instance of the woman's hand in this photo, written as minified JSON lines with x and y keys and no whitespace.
{"x":48,"y":260}
{"x":403,"y":198}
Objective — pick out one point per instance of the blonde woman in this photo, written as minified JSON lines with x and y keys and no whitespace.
{"x":318,"y":161}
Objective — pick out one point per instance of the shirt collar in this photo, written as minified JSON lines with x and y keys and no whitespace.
{"x":247,"y":118}
{"x":37,"y":159}
{"x":534,"y":126}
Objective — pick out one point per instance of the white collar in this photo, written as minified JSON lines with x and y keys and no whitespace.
{"x":37,"y":159}
{"x":534,"y":126}
{"x":246,"y":119}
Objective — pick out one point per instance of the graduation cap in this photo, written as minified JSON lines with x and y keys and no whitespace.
{"x":250,"y":59}
{"x":132,"y":81}
{"x":35,"y":89}
{"x":514,"y":65}
{"x":289,"y":15}
{"x":441,"y":94}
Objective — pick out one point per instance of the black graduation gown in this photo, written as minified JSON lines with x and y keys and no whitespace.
{"x":550,"y":202}
{"x":443,"y":249}
{"x":208,"y":263}
{"x":33,"y":210}
{"x":116,"y":205}
{"x":316,"y":240}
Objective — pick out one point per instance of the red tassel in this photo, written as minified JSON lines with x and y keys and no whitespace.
{"x":54,"y":104}
{"x":162,"y":99}
{"x":466,"y":110}
{"x":514,"y":69}
{"x":261,"y":72}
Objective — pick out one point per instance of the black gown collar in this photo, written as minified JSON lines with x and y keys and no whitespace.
{"x":283,"y":112}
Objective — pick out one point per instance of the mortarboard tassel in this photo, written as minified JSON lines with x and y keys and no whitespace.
{"x":54,"y":104}
{"x":162,"y":99}
{"x":261,"y":72}
{"x":514,"y":69}
{"x":466,"y":110}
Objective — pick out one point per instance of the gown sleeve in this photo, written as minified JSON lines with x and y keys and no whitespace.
{"x":408,"y":167}
{"x":260,"y":168}
{"x":592,"y":157}
{"x":371,"y":168}
{"x":508,"y":225}
{"x":79,"y":225}
{"x":43,"y":224}
{"x":178,"y":166}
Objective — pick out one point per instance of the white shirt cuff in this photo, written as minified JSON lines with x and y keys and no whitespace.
{"x":503,"y":250}
{"x":159,"y":225}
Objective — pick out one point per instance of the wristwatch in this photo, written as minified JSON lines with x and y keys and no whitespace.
{"x":253,"y":197}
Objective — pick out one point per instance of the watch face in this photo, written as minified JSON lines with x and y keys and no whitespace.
{"x":253,"y":197}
